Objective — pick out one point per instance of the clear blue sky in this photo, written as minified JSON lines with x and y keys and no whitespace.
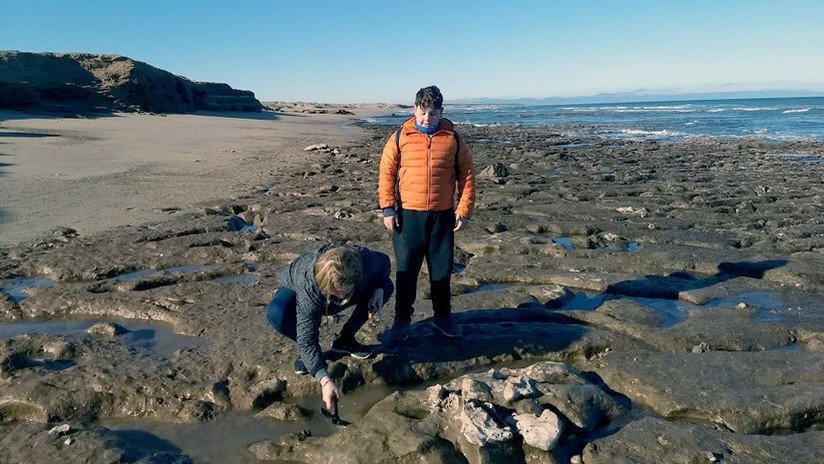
{"x":369,"y":51}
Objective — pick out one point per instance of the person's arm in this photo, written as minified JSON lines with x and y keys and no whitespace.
{"x":377,"y":270}
{"x":387,"y":179}
{"x":466,"y":183}
{"x":308,"y":331}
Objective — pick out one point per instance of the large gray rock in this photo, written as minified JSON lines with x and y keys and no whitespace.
{"x":542,"y":432}
{"x":480,"y":427}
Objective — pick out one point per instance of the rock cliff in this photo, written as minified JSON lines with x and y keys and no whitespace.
{"x":83,"y":82}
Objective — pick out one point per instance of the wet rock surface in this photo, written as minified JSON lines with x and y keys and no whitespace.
{"x":651,"y":287}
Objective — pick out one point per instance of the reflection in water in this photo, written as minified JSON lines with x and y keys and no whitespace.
{"x":674,"y":311}
{"x":152,"y":339}
{"x":227,"y":437}
{"x":15,"y":288}
{"x":137,"y":445}
{"x":134,"y":275}
{"x":27,"y":135}
{"x":565,"y":242}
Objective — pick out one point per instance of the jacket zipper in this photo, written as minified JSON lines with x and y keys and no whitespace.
{"x":429,"y":172}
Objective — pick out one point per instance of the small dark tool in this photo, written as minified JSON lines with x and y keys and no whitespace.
{"x":333,"y":414}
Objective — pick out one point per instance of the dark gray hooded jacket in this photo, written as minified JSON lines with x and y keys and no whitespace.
{"x":312,"y":305}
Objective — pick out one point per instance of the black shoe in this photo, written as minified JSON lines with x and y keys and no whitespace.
{"x":352,"y":347}
{"x":399,"y":331}
{"x":300,"y":368}
{"x":446,"y":326}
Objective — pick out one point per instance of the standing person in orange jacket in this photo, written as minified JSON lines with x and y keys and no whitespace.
{"x":423,"y":163}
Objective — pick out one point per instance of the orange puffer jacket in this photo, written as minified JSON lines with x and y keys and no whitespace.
{"x":427,"y":171}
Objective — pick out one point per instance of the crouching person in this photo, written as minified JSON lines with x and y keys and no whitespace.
{"x":326,"y":282}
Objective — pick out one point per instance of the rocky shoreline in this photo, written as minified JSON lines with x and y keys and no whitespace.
{"x":620,"y":302}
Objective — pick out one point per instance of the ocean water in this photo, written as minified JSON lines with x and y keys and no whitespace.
{"x":770,"y":118}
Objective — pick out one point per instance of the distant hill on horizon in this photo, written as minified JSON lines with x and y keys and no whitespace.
{"x":638,"y":97}
{"x":89,"y":83}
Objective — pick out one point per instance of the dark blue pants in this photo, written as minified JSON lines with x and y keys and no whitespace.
{"x":424,"y":235}
{"x":282,"y":315}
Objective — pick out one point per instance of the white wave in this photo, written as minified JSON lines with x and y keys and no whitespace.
{"x":666,"y":107}
{"x":646,"y":133}
{"x":642,"y":110}
{"x":803,"y":110}
{"x":760,"y":131}
{"x":691,"y":123}
{"x":716,"y":110}
{"x":753,"y":109}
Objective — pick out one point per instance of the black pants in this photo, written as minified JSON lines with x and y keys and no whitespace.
{"x":282,"y":315}
{"x":429,"y":235}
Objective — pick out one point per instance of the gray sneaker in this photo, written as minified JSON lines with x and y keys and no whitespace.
{"x":446,"y":326}
{"x":300,"y":368}
{"x":350,"y":346}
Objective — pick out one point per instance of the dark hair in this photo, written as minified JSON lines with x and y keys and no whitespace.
{"x":429,"y":97}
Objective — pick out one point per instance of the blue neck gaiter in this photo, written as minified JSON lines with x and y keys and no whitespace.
{"x":428,"y":130}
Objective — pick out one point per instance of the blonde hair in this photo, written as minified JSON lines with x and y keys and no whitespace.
{"x":338,"y":267}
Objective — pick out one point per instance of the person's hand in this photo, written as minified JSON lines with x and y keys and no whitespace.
{"x":328,"y":391}
{"x":376,"y":302}
{"x":460,"y":222}
{"x":390,"y":222}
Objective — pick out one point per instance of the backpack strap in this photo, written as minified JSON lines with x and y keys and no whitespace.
{"x":457,"y":152}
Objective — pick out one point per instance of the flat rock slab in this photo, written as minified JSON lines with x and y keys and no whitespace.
{"x":703,"y":328}
{"x":745,"y":392}
{"x":655,"y":440}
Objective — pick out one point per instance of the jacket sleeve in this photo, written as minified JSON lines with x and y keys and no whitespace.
{"x":389,"y":168}
{"x":308,"y":330}
{"x":466,"y":181}
{"x":377,"y":270}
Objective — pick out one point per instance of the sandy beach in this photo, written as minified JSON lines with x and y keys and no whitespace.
{"x":97,"y":173}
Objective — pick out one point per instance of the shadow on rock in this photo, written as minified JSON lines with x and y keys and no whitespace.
{"x":669,"y":286}
{"x":138,"y":445}
{"x":501,"y":335}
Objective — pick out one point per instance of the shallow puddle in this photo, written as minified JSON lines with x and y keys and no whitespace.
{"x":152,"y":339}
{"x":565,"y":242}
{"x":803,"y":158}
{"x":226,"y":438}
{"x":14,"y":289}
{"x":238,"y":279}
{"x":771,"y":305}
{"x":573,"y":145}
{"x":237,"y":224}
{"x":134,"y":275}
{"x":27,"y":135}
{"x":191,"y":269}
{"x":490,"y":288}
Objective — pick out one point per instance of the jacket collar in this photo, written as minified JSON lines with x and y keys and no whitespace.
{"x":447,"y":127}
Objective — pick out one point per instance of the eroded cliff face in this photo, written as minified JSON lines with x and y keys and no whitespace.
{"x":84,"y":82}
